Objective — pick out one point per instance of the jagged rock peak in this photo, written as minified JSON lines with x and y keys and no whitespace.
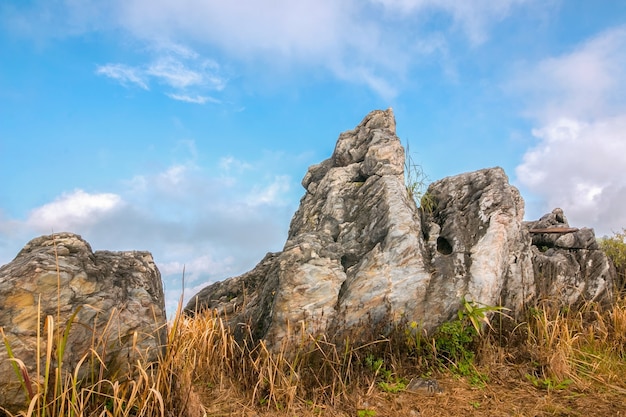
{"x":356,"y":214}
{"x":352,"y":146}
{"x":367,"y":145}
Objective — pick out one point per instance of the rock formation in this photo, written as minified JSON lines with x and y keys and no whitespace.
{"x":568,"y":263}
{"x":478,"y":248}
{"x":361,"y":257}
{"x":117,"y":298}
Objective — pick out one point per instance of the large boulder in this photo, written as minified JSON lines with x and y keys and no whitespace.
{"x":117,"y":299}
{"x":361,"y":258}
{"x":478,"y":249}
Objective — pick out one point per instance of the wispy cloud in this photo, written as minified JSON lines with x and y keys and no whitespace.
{"x":174,"y":73}
{"x":473,"y":17}
{"x":271,"y":194}
{"x":373,"y":43}
{"x":194,"y":99}
{"x":228,"y":163}
{"x":176,"y":67}
{"x":587,"y":82}
{"x":124,"y":74}
{"x":384,"y":39}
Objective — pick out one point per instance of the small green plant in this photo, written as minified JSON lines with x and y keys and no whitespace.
{"x":414,"y":338}
{"x":373,"y":363}
{"x":365,"y":413}
{"x":376,"y":365}
{"x":454,"y":341}
{"x":477,"y":314}
{"x":388,"y":381}
{"x":394,"y":387}
{"x":549,"y":384}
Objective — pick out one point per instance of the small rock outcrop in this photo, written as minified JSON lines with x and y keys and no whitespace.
{"x":117,"y":299}
{"x":360,"y":256}
{"x":568,"y":264}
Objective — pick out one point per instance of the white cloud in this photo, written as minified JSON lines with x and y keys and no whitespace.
{"x":586,"y":83}
{"x":193,"y":99}
{"x":176,"y":74}
{"x":169,"y":48}
{"x":579,"y":101}
{"x":195,"y":268}
{"x":303,"y":28}
{"x":123,"y":74}
{"x":175,"y":66}
{"x":173,"y":176}
{"x":382,"y":39}
{"x":473,"y":16}
{"x":184,"y":214}
{"x":579,"y":166}
{"x":374,"y":43}
{"x":270,"y":194}
{"x":229,"y":163}
{"x":196,"y":272}
{"x":72,"y":210}
{"x":248,"y":26}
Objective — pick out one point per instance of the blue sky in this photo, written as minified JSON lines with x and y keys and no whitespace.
{"x":185,"y":127}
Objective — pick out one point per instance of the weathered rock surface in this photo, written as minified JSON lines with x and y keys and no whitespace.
{"x":118,"y":296}
{"x":354,"y":254}
{"x":478,"y":248}
{"x":361,"y":257}
{"x":567,"y":262}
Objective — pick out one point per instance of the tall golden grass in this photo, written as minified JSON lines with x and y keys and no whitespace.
{"x":149,"y":389}
{"x":205,"y":371}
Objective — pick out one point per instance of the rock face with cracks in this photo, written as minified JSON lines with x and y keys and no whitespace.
{"x":478,"y":248}
{"x":361,"y":257}
{"x":110,"y":301}
{"x":568,"y":263}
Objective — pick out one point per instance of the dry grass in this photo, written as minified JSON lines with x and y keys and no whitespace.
{"x":556,"y":362}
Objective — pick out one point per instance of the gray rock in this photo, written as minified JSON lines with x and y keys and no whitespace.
{"x":478,"y":248}
{"x":118,"y":296}
{"x":553,"y":231}
{"x":349,"y":220}
{"x":573,"y":277}
{"x":567,"y":262}
{"x":423,"y":385}
{"x":355,"y":220}
{"x":361,"y":258}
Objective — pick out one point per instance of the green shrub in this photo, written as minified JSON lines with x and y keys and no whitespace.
{"x":615,"y":249}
